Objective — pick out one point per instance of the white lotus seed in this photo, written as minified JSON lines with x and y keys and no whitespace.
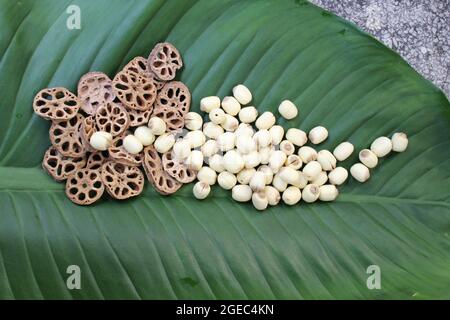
{"x":132,"y":144}
{"x":265,"y":121}
{"x":201,"y":190}
{"x":318,"y":134}
{"x":196,"y":138}
{"x":144,"y":135}
{"x":259,"y":200}
{"x":287,"y":109}
{"x":181,"y":150}
{"x":193,"y":121}
{"x":157,"y":126}
{"x":242,"y":94}
{"x":209,"y":148}
{"x":273,"y":195}
{"x":209,"y":103}
{"x":343,"y":151}
{"x":241,"y":193}
{"x":310,"y":193}
{"x":368,"y":158}
{"x":399,"y":141}
{"x":277,"y":133}
{"x":296,"y":136}
{"x":328,"y":192}
{"x":245,"y":144}
{"x":195,"y":160}
{"x":217,"y":116}
{"x":277,"y":160}
{"x":268,"y":173}
{"x":248,"y":114}
{"x":312,"y":169}
{"x":320,"y":179}
{"x":265,"y":154}
{"x":164,"y":142}
{"x":233,"y":162}
{"x":262,"y":138}
{"x":245,"y":175}
{"x":293,"y":161}
{"x":258,"y":181}
{"x":226,"y":141}
{"x":293,"y":177}
{"x":381,"y":146}
{"x":252,"y":159}
{"x":279,"y":183}
{"x":307,"y":154}
{"x":230,"y":123}
{"x":291,"y":195}
{"x":360,"y":172}
{"x":338,"y":176}
{"x":287,"y":147}
{"x":212,"y":130}
{"x":101,"y":140}
{"x":207,"y":175}
{"x":231,"y":106}
{"x":326,"y":160}
{"x":244,"y":129}
{"x":216,"y":163}
{"x":226,"y":180}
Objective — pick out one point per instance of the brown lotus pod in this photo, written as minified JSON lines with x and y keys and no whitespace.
{"x":173,"y":118}
{"x":65,"y":137}
{"x":161,"y":180}
{"x":94,"y":90}
{"x":85,"y":186}
{"x":174,"y":95}
{"x":177,"y":170}
{"x":135,"y":91}
{"x":139,"y":65}
{"x":164,"y":61}
{"x":139,"y":118}
{"x":87,"y":128}
{"x":122,"y":181}
{"x":60,"y":167}
{"x":96,"y":160}
{"x":56,"y":104}
{"x":118,"y":153}
{"x":113,"y":118}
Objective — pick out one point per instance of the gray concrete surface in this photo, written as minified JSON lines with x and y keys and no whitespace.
{"x":419,"y":30}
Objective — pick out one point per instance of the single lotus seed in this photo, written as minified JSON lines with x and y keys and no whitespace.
{"x":207,"y":175}
{"x":265,"y":154}
{"x":230,"y":123}
{"x":277,"y":160}
{"x":209,"y":103}
{"x":288,"y":110}
{"x":267,"y":173}
{"x":318,"y":134}
{"x":343,"y":151}
{"x":259,"y":200}
{"x":291,"y":195}
{"x":132,"y":144}
{"x":368,"y":158}
{"x":242,"y":94}
{"x":360,"y":172}
{"x":226,"y":180}
{"x":196,"y":138}
{"x":244,"y":129}
{"x":193,"y":121}
{"x":101,"y":140}
{"x":248,"y":114}
{"x":338,"y":176}
{"x":245,"y":175}
{"x":201,"y":190}
{"x":233,"y":162}
{"x":212,"y":130}
{"x":252,"y":159}
{"x":195,"y":160}
{"x":231,"y":106}
{"x":293,"y":177}
{"x":265,"y":121}
{"x":279,"y":183}
{"x":328,"y":192}
{"x":307,"y":154}
{"x":216,"y":163}
{"x":381,"y":146}
{"x":312,"y":169}
{"x":181,"y":150}
{"x":293,"y":161}
{"x":399,"y":141}
{"x":245,"y":144}
{"x":164,"y":142}
{"x":326,"y":160}
{"x":273,"y":195}
{"x":157,"y":126}
{"x":320,"y":179}
{"x":144,"y":135}
{"x":209,"y":148}
{"x":296,"y":136}
{"x":217,"y":116}
{"x":226,"y":141}
{"x":277,"y":134}
{"x":310,"y":193}
{"x":258,"y":181}
{"x":263,"y":138}
{"x":287,"y":147}
{"x":241,"y":193}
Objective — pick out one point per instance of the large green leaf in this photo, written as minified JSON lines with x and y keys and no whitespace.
{"x":177,"y":247}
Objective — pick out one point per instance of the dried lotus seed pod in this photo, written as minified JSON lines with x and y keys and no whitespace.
{"x":177,"y":169}
{"x":60,"y":167}
{"x":173,"y":118}
{"x":96,"y":159}
{"x":94,"y":90}
{"x":140,"y":65}
{"x":139,"y":118}
{"x":118,"y":153}
{"x":56,"y":104}
{"x":161,"y":180}
{"x":174,"y":95}
{"x":135,"y":91}
{"x":85,"y":186}
{"x":164,"y":61}
{"x":113,"y":118}
{"x":87,"y":128}
{"x":122,"y":181}
{"x":65,"y":137}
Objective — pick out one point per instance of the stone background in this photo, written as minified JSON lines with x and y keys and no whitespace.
{"x":419,"y":30}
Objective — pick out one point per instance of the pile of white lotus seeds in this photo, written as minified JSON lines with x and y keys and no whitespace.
{"x":249,"y":154}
